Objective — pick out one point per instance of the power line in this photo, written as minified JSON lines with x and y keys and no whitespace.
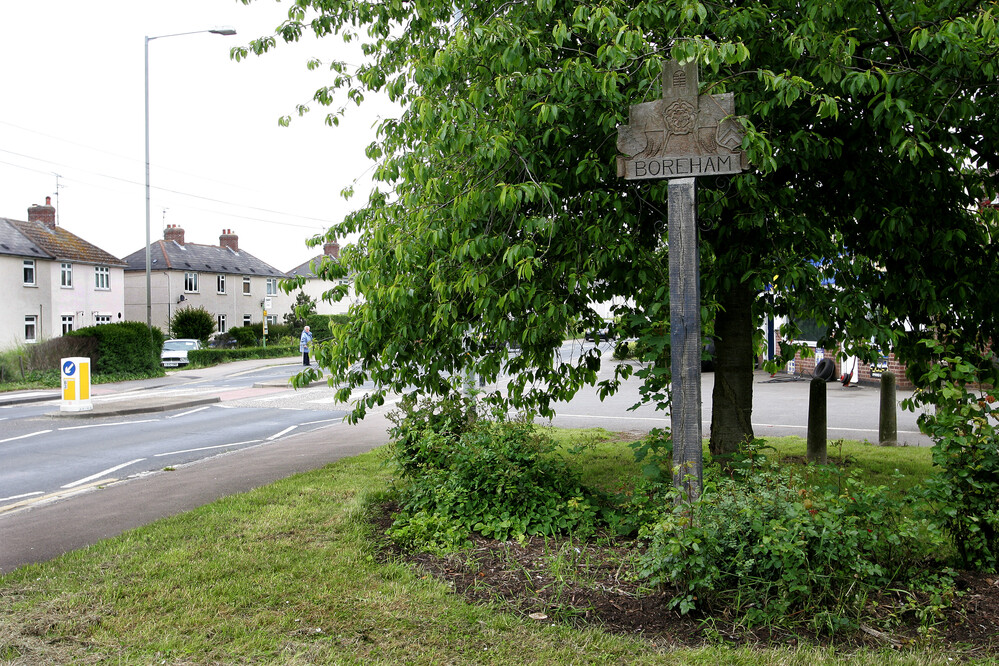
{"x":323,"y":221}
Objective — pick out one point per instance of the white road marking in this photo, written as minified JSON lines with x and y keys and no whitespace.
{"x":597,"y":416}
{"x":283,"y":432}
{"x":174,"y":416}
{"x":321,"y":421}
{"x":207,"y":448}
{"x":105,"y":425}
{"x":17,"y":497}
{"x":30,"y":434}
{"x":131,"y":395}
{"x":92,"y":477}
{"x":805,"y":427}
{"x":708,"y":423}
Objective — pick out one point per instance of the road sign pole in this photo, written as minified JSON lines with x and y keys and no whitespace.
{"x":685,"y":337}
{"x":681,"y":137}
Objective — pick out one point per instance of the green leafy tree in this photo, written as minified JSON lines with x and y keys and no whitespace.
{"x":300,"y":311}
{"x":500,"y":219}
{"x":192,"y":322}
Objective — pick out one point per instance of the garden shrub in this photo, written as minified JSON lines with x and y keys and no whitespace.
{"x":413,"y":419}
{"x":623,"y":350}
{"x":193,"y":322}
{"x":274,"y":333}
{"x":245,"y":336}
{"x":124,"y":348}
{"x":964,"y":490}
{"x":498,"y":478}
{"x":207,"y":357}
{"x":771,"y":545}
{"x":41,"y":362}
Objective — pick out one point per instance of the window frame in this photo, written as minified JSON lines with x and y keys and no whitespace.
{"x":29,"y":274}
{"x":220,"y":323}
{"x":220,"y":283}
{"x":105,"y":273}
{"x":71,"y":321}
{"x":32,"y":322}
{"x":66,"y":275}
{"x":272,"y":287}
{"x":191,"y":282}
{"x":246,"y":285}
{"x":102,"y":319}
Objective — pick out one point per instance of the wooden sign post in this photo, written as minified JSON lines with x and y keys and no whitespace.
{"x":682,"y":136}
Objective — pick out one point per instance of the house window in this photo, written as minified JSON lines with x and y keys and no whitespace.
{"x":67,"y":324}
{"x":246,"y":286}
{"x":272,"y":319}
{"x":102,"y":277}
{"x":220,"y":283}
{"x":67,"y":275}
{"x":31,"y":328}
{"x":100,"y":320}
{"x":191,"y":282}
{"x":247,"y":320}
{"x":220,"y":320}
{"x":29,"y":272}
{"x":272,"y":286}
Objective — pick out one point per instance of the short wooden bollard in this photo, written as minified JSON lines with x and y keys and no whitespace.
{"x":888,"y":421}
{"x":815,"y":447}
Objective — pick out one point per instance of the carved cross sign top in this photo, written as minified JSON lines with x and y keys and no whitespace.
{"x":682,"y":135}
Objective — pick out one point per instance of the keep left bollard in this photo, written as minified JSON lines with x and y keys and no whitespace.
{"x":75,"y":385}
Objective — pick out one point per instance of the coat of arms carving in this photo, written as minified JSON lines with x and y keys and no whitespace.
{"x":682,"y":135}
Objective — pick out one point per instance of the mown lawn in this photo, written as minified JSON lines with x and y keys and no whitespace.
{"x":291,"y":574}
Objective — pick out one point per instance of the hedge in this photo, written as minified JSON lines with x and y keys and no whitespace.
{"x":206,"y":357}
{"x":124,"y":348}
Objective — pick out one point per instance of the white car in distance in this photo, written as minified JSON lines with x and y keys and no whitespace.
{"x":174,"y":352}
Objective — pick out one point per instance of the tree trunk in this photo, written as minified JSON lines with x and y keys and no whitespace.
{"x":732,"y":398}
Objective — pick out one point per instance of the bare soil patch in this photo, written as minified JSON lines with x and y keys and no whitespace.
{"x":532,"y":579}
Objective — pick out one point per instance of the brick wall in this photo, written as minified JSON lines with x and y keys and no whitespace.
{"x":806,"y":366}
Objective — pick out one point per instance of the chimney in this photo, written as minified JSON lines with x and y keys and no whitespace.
{"x":45,"y":214}
{"x":174,"y":233}
{"x":229,"y":240}
{"x":332,"y":250}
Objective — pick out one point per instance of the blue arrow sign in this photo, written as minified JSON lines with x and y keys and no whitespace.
{"x":69,"y":368}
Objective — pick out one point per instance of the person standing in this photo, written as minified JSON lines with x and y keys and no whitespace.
{"x":304,"y":346}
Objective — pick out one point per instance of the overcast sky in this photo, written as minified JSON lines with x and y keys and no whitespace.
{"x":71,"y":103}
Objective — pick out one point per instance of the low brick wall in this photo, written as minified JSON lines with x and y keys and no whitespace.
{"x":865,"y":371}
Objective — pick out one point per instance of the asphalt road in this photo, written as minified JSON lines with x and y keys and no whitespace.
{"x":53,"y":525}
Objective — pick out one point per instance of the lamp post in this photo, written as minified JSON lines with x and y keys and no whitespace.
{"x":222,"y":30}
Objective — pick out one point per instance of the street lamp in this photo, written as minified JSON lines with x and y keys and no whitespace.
{"x":222,"y":30}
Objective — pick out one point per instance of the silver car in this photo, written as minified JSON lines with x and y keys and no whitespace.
{"x":175,"y":352}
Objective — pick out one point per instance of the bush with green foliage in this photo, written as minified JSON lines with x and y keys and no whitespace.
{"x":245,"y":336}
{"x":498,"y":478}
{"x":771,"y":544}
{"x":192,"y":322}
{"x":964,"y":491}
{"x":33,"y":361}
{"x":125,"y":348}
{"x":201,"y":358}
{"x":303,"y":306}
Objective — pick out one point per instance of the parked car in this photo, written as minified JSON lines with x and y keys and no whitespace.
{"x":602,"y":334}
{"x":174,"y":352}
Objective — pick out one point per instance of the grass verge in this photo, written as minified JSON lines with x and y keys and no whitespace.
{"x":290,"y":574}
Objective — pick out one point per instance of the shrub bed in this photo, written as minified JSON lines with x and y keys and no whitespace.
{"x":208,"y":357}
